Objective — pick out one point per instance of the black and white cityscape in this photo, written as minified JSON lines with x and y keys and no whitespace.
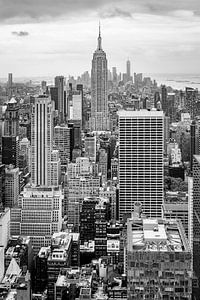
{"x":99,"y":150}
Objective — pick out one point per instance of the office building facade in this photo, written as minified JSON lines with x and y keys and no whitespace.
{"x":38,"y":215}
{"x":141,"y":161}
{"x":62,"y":142}
{"x":41,"y":141}
{"x":11,"y":186}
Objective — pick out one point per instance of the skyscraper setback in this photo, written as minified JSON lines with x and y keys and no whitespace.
{"x":99,"y":93}
{"x":141,"y":161}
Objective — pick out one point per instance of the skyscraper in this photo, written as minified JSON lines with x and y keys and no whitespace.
{"x":99,"y":94}
{"x":11,"y":126}
{"x":114,"y":74}
{"x":62,"y":143}
{"x":192,"y":143}
{"x":10,"y":139}
{"x":141,"y":161}
{"x":41,"y":141}
{"x":191,"y":99}
{"x":164,"y":98}
{"x":11,"y":186}
{"x":10,"y":85}
{"x":196,"y":217}
{"x":128,"y":70}
{"x":59,"y":84}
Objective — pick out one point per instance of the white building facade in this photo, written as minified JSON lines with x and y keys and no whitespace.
{"x":141,"y":161}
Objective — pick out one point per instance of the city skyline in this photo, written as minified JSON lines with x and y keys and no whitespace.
{"x":46,"y":38}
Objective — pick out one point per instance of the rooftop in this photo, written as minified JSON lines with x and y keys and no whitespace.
{"x":197,"y":157}
{"x":140,"y":113}
{"x":44,"y":251}
{"x":61,"y":239}
{"x":87,"y":246}
{"x":4,"y":213}
{"x":156,"y":235}
{"x":82,"y":278}
{"x":12,"y":101}
{"x":51,"y":191}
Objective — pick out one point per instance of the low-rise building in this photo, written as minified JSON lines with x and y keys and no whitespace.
{"x":59,"y":257}
{"x":175,"y":206}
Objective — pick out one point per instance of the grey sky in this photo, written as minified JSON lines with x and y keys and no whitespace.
{"x":48,"y":37}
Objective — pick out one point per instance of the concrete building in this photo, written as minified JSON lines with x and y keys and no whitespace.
{"x":62,"y":143}
{"x":176,"y":158}
{"x":77,"y":102}
{"x":59,"y":257}
{"x":128,"y":71}
{"x":164,"y":98}
{"x":38,"y":214}
{"x":114,"y":243}
{"x":71,"y":282}
{"x":25,"y":152}
{"x":103,"y":163}
{"x":191,"y":96}
{"x":158,"y":260}
{"x":2,"y":187}
{"x":102,"y":216}
{"x":91,"y":147}
{"x":4,"y":227}
{"x":94,"y":215}
{"x":75,"y":135}
{"x":20,"y":248}
{"x":76,"y":190}
{"x":2,"y":269}
{"x":10,"y":85}
{"x":11,"y":123}
{"x":81,"y":167}
{"x":99,"y":89}
{"x":41,"y":141}
{"x":11,"y":186}
{"x":175,"y":206}
{"x":10,"y":150}
{"x":87,"y":219}
{"x":109,"y":192}
{"x":141,"y":170}
{"x":41,"y":279}
{"x":55,"y":168}
{"x":114,"y":168}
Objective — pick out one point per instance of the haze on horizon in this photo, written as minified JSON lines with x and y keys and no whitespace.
{"x":48,"y":37}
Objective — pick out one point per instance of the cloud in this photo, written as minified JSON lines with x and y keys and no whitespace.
{"x":26,"y":11}
{"x":20,"y":33}
{"x":115,"y":12}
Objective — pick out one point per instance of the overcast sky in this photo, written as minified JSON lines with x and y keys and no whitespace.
{"x":58,"y":37}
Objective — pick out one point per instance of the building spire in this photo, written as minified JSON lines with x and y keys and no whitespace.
{"x":99,"y":38}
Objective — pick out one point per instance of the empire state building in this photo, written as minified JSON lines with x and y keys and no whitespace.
{"x":99,"y":91}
